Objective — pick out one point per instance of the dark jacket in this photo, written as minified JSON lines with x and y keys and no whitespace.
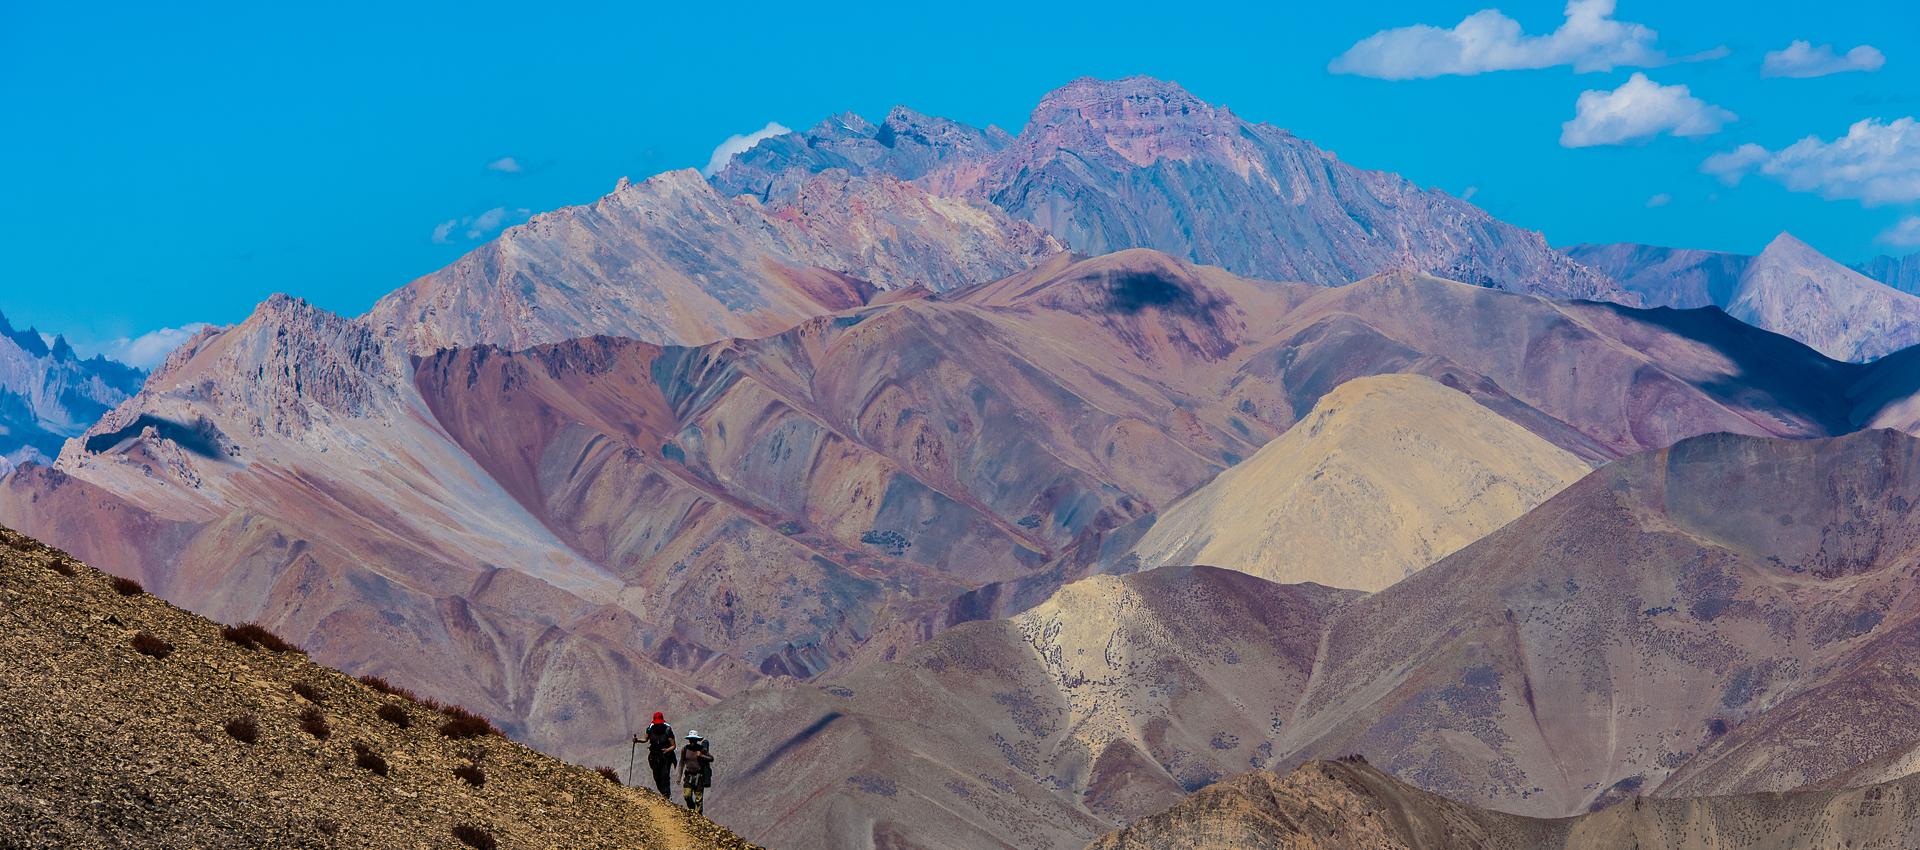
{"x":660,"y":743}
{"x":696,"y":765}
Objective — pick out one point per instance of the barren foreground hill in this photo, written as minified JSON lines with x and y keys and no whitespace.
{"x":124,"y":722}
{"x":1348,"y":805}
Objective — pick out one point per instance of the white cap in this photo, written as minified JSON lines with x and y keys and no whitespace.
{"x":693,"y":736}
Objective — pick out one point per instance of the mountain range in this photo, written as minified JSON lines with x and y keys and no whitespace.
{"x":1142,"y":163}
{"x":1789,"y":288}
{"x":1534,"y":672}
{"x":567,"y":536}
{"x":886,"y":453}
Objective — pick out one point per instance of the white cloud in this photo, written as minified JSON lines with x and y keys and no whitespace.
{"x":1658,"y":201}
{"x":1903,"y":234}
{"x":476,"y":227}
{"x":145,"y":351}
{"x":1732,"y":165}
{"x":735,"y":145}
{"x":505,"y":165}
{"x":1640,"y":108}
{"x":1487,"y":40}
{"x":1469,"y":193}
{"x":1802,"y":59}
{"x":1876,"y":162}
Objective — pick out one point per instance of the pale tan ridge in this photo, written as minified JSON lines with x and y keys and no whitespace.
{"x":1386,"y":475}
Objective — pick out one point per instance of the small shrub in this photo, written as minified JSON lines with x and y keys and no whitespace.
{"x":147,"y":643}
{"x":472,"y":774}
{"x":309,"y":693}
{"x":473,"y":836}
{"x":126,"y":586}
{"x":62,"y":567}
{"x":608,"y":774}
{"x":366,"y":759}
{"x":394,"y":714}
{"x":256,"y":636}
{"x":327,"y":826}
{"x":244,"y":729}
{"x":382,"y":685}
{"x":462,"y":724}
{"x":314,"y":723}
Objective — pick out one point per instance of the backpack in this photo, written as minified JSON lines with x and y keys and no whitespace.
{"x":696,"y":766}
{"x":660,"y":739}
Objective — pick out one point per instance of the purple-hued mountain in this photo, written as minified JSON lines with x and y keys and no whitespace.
{"x":48,"y":394}
{"x":670,"y":260}
{"x":1106,"y":165}
{"x":1789,"y":288}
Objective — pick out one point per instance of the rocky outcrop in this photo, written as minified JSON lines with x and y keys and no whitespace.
{"x":132,"y":723}
{"x":48,"y":394}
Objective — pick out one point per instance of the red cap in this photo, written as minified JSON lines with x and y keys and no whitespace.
{"x":659,"y":717}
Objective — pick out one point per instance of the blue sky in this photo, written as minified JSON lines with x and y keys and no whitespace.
{"x":173,"y":165}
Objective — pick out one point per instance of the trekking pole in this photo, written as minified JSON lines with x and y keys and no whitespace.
{"x":631,"y":748}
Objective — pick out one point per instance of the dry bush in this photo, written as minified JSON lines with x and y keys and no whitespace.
{"x":256,"y":636}
{"x":327,"y":826}
{"x":366,"y":759}
{"x":60,"y":566}
{"x":608,"y":774}
{"x":462,"y":724}
{"x":314,"y":723}
{"x":126,"y":586}
{"x":244,"y":729}
{"x":473,"y":836}
{"x":472,"y":774}
{"x":393,"y":714}
{"x":309,"y":693}
{"x":147,"y":643}
{"x":382,"y":685}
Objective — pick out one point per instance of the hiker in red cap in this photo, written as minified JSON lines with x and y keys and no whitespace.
{"x":660,"y":756}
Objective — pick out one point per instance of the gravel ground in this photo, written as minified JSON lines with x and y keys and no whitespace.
{"x":102,"y":746}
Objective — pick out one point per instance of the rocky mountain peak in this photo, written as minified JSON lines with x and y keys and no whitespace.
{"x":29,"y":340}
{"x":1788,"y":244}
{"x":1141,"y":119}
